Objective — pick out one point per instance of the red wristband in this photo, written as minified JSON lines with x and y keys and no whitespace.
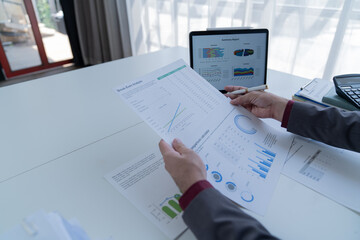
{"x":192,"y":192}
{"x":287,"y":112}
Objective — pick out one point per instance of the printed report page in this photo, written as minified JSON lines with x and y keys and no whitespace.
{"x":242,"y":154}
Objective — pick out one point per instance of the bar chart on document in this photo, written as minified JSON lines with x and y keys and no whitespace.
{"x":232,"y":144}
{"x":242,"y":160}
{"x":166,"y":208}
{"x":315,"y":159}
{"x":167,"y":113}
{"x":331,"y":171}
{"x":146,"y":184}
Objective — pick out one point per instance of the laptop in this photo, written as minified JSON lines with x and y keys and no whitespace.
{"x":230,"y":57}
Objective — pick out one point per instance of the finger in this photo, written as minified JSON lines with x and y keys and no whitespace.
{"x":179,"y":146}
{"x":233,"y":88}
{"x":231,"y":96}
{"x":241,"y":100}
{"x":165,"y":147}
{"x":244,"y":99}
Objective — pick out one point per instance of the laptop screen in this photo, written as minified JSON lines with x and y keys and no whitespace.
{"x":230,"y":57}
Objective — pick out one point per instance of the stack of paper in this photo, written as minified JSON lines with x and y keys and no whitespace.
{"x":313,"y":92}
{"x":322,"y":93}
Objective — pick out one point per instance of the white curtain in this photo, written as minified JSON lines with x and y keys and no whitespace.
{"x":308,"y":38}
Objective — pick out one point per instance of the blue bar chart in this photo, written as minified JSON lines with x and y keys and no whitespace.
{"x":261,"y":163}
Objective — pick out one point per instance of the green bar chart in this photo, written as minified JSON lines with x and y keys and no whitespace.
{"x":169,"y":212}
{"x":175,"y":205}
{"x":170,"y":206}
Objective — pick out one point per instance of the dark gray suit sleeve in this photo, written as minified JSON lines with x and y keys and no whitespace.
{"x":328,"y":125}
{"x":211,"y":215}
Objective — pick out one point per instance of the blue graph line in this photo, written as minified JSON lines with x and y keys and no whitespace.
{"x":174,"y":117}
{"x":168,"y":198}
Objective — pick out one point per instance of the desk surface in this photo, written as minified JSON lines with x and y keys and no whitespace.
{"x":61,"y":134}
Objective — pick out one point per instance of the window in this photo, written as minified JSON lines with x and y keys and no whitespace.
{"x":307,"y":38}
{"x":33,"y":36}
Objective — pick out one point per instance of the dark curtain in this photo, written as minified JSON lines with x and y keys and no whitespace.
{"x":72,"y":31}
{"x":103,"y":30}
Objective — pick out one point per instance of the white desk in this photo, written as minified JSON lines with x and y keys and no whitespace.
{"x":59,"y":135}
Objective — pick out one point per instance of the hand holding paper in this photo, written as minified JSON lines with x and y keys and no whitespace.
{"x":183,"y":164}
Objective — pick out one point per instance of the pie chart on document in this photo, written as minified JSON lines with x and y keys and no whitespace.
{"x":244,"y":124}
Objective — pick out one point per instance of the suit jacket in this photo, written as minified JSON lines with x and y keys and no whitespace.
{"x":210,"y":215}
{"x":332,"y":126}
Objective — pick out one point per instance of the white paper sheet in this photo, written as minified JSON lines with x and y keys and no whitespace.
{"x":243,"y":155}
{"x":145,"y":182}
{"x":172,"y":99}
{"x":331,"y":171}
{"x":316,"y":89}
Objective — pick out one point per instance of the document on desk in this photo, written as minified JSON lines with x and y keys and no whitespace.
{"x":330,"y":171}
{"x":146,"y":184}
{"x":316,"y":89}
{"x":243,"y":155}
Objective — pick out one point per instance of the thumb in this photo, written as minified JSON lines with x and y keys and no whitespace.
{"x":179,"y":146}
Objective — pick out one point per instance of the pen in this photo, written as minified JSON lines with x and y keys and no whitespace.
{"x":302,"y":88}
{"x":246,"y":90}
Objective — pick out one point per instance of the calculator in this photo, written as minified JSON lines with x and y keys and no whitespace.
{"x":348,"y":87}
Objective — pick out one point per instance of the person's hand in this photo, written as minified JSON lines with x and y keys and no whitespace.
{"x":261,"y":104}
{"x":183,"y":164}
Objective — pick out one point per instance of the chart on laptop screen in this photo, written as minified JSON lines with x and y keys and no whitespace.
{"x":230,"y":59}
